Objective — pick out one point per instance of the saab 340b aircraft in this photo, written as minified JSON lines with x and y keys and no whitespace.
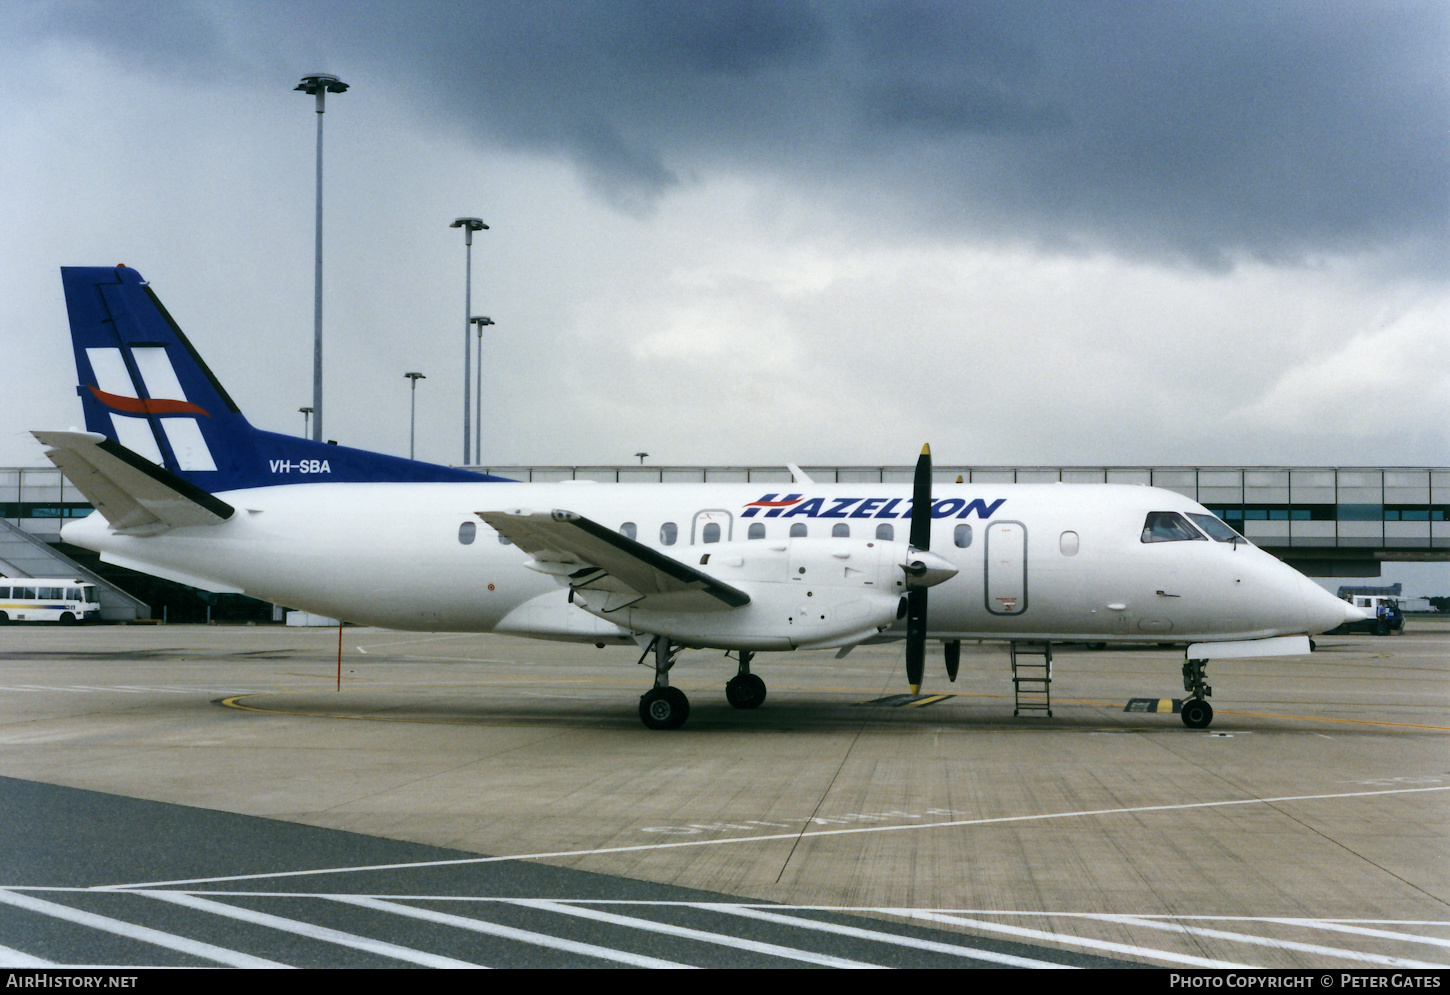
{"x":186,"y":489}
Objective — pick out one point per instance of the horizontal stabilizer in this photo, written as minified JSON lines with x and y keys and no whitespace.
{"x":133,"y":494}
{"x":589,"y":557}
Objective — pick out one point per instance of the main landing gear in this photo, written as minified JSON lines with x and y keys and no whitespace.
{"x":666,"y":707}
{"x":662,"y":706}
{"x":745,"y":690}
{"x":1196,"y":711}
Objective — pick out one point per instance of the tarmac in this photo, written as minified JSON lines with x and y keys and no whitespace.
{"x":181,"y":795}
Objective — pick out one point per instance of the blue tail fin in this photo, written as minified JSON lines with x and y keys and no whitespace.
{"x":144,"y":386}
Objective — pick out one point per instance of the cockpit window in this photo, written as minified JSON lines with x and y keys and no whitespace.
{"x":1168,"y":526}
{"x":1216,"y":529}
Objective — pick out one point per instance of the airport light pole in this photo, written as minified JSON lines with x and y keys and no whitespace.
{"x":306,"y":414}
{"x":413,"y":408}
{"x":469,"y":226}
{"x":480,"y":321}
{"x":318,"y":85}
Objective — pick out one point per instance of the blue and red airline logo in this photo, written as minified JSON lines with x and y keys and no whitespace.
{"x":793,"y":505}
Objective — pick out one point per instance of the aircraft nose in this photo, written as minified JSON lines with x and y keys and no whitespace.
{"x":926,"y":569}
{"x":1322,"y":610}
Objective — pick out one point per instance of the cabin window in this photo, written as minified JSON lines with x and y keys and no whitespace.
{"x":1067,"y":542}
{"x":711,"y":532}
{"x":798,"y":530}
{"x":466,"y":532}
{"x":885,"y":532}
{"x":504,"y":540}
{"x":1168,"y":526}
{"x":757,"y":531}
{"x":962,"y":536}
{"x":669,"y":532}
{"x":629,"y":530}
{"x":841,"y":531}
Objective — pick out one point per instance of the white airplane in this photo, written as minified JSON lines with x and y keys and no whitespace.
{"x":186,"y":489}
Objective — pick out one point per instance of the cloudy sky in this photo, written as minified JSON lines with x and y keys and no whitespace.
{"x":1106,"y":232}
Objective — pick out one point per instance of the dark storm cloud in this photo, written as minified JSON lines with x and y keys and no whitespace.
{"x":1206,"y":132}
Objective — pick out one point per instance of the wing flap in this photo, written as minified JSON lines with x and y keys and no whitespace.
{"x":589,"y":557}
{"x":134,"y":495}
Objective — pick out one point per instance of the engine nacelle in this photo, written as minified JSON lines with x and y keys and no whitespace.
{"x":804,"y":594}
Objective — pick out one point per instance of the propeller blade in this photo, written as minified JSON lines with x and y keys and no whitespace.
{"x":915,"y":637}
{"x":916,"y":597}
{"x":953,"y":650}
{"x":921,"y":501}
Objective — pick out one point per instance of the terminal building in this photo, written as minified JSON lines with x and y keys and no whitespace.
{"x":1325,"y":521}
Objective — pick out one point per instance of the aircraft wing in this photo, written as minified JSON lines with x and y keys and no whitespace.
{"x":134,"y":495}
{"x":589,"y":557}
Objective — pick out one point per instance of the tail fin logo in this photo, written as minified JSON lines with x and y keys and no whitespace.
{"x":147,"y":406}
{"x":118,"y":390}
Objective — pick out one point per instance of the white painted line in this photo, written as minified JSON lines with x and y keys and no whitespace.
{"x":1108,"y":946}
{"x":423,"y":639}
{"x":1268,"y":941}
{"x":509,"y":932}
{"x":738,"y":943}
{"x":232,"y":958}
{"x":87,"y":687}
{"x":309,"y":930}
{"x":10,"y":957}
{"x":1383,"y":934}
{"x":45,"y":687}
{"x":877,"y":936}
{"x":725,"y":841}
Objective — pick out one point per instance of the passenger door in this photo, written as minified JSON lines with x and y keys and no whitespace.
{"x":1005,"y":562}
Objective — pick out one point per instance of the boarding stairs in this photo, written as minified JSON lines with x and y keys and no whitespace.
{"x":23,"y":555}
{"x":1032,"y":677}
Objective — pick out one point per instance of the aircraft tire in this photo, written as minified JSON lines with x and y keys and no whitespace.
{"x":1197,"y":713}
{"x":664,"y":708}
{"x":745,"y":691}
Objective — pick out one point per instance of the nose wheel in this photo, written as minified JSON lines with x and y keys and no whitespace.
{"x":1197,"y":713}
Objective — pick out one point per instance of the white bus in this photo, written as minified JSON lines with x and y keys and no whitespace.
{"x":48,"y":599}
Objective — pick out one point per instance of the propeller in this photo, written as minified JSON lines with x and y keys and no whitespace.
{"x":916,"y":596}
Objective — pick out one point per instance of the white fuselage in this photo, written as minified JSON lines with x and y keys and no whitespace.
{"x":1050,"y":561}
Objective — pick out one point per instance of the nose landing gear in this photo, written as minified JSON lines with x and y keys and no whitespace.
{"x":1196,"y":711}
